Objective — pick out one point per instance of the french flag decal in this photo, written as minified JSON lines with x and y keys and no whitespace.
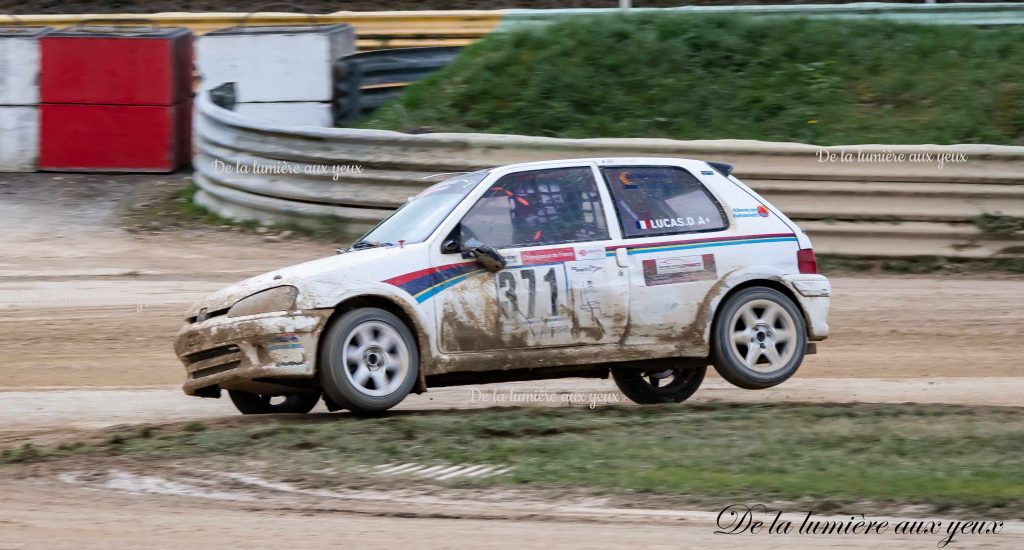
{"x":643,"y":224}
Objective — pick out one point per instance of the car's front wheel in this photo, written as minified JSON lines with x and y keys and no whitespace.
{"x":369,"y":360}
{"x":658,"y":385}
{"x":252,"y":403}
{"x":759,"y":338}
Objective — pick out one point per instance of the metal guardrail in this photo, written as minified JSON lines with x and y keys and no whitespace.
{"x":975,"y":14}
{"x":404,"y":29}
{"x":853,"y":208}
{"x":365,"y":81}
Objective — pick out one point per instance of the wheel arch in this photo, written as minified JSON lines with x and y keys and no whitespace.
{"x":773,"y":284}
{"x":397,"y":309}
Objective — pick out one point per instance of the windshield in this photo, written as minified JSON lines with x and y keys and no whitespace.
{"x":414,"y":221}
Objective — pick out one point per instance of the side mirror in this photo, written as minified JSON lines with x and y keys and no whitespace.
{"x":488,"y":257}
{"x":451,"y":246}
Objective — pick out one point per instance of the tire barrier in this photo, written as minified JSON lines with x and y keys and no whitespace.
{"x":365,"y":81}
{"x":868,"y":200}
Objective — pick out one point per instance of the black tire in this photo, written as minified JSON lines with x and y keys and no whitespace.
{"x":777,"y":342}
{"x":251,"y":403}
{"x":343,"y":354}
{"x":645,"y":387}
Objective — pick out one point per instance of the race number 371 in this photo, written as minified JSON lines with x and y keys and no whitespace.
{"x":530,"y":293}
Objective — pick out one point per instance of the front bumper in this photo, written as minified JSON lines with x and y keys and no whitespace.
{"x":249,"y":353}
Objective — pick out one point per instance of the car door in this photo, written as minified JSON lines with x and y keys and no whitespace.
{"x":673,"y":227}
{"x":559,"y":287}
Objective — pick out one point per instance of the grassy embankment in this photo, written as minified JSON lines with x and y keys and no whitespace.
{"x":827,"y":82}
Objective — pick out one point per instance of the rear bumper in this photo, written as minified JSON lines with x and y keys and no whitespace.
{"x":814,"y":293}
{"x":247,"y":353}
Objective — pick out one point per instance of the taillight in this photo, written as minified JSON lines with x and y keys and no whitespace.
{"x":806,"y":261}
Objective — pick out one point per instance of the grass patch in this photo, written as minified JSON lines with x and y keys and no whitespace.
{"x":998,"y":224}
{"x":935,"y":455}
{"x":178,"y":209}
{"x":688,"y":76}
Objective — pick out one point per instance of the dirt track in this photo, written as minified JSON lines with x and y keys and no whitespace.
{"x":85,"y":305}
{"x":92,"y":305}
{"x":116,"y":329}
{"x":91,"y":515}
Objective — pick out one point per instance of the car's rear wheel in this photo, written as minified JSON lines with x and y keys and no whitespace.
{"x":658,"y":385}
{"x":252,"y":403}
{"x":759,"y":338}
{"x":369,"y":360}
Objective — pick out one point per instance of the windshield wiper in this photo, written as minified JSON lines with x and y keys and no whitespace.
{"x":363,"y":245}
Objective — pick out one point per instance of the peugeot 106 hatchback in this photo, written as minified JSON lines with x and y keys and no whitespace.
{"x":644,"y":269}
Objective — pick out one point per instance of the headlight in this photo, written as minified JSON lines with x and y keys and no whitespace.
{"x":280,"y":298}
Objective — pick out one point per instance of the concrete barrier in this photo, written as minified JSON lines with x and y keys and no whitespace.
{"x":274,"y":64}
{"x":866,"y":200}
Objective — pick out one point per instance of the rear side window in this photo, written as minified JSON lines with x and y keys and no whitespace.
{"x":535,"y":208}
{"x":662,"y":200}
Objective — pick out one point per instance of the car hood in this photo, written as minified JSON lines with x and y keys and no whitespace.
{"x":316,"y":280}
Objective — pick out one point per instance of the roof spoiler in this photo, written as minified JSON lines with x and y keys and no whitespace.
{"x":723,"y":168}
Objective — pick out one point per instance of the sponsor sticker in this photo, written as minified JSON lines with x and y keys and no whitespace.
{"x":760,"y":212}
{"x":668,"y":223}
{"x":512,"y":259}
{"x":587,"y":268}
{"x":590,"y":253}
{"x":679,"y":269}
{"x":707,"y":172}
{"x":549,"y":256}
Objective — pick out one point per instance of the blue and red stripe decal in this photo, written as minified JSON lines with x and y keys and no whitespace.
{"x":425,"y":283}
{"x":710,"y":242}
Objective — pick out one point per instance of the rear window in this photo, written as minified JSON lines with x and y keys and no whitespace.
{"x":662,"y":200}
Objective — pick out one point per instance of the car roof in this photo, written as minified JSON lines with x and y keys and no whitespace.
{"x":611,"y":161}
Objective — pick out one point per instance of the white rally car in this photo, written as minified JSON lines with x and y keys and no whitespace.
{"x":647,"y":269}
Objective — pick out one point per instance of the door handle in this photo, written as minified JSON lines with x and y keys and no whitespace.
{"x":622,"y":257}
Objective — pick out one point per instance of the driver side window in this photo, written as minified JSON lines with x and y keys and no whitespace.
{"x":535,"y":208}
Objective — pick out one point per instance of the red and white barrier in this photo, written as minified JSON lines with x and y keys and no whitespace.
{"x":119,"y":98}
{"x":19,"y":97}
{"x":115,"y":99}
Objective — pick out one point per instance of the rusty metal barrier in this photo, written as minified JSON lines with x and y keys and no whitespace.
{"x":853,"y":200}
{"x":375,"y":30}
{"x":405,"y":29}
